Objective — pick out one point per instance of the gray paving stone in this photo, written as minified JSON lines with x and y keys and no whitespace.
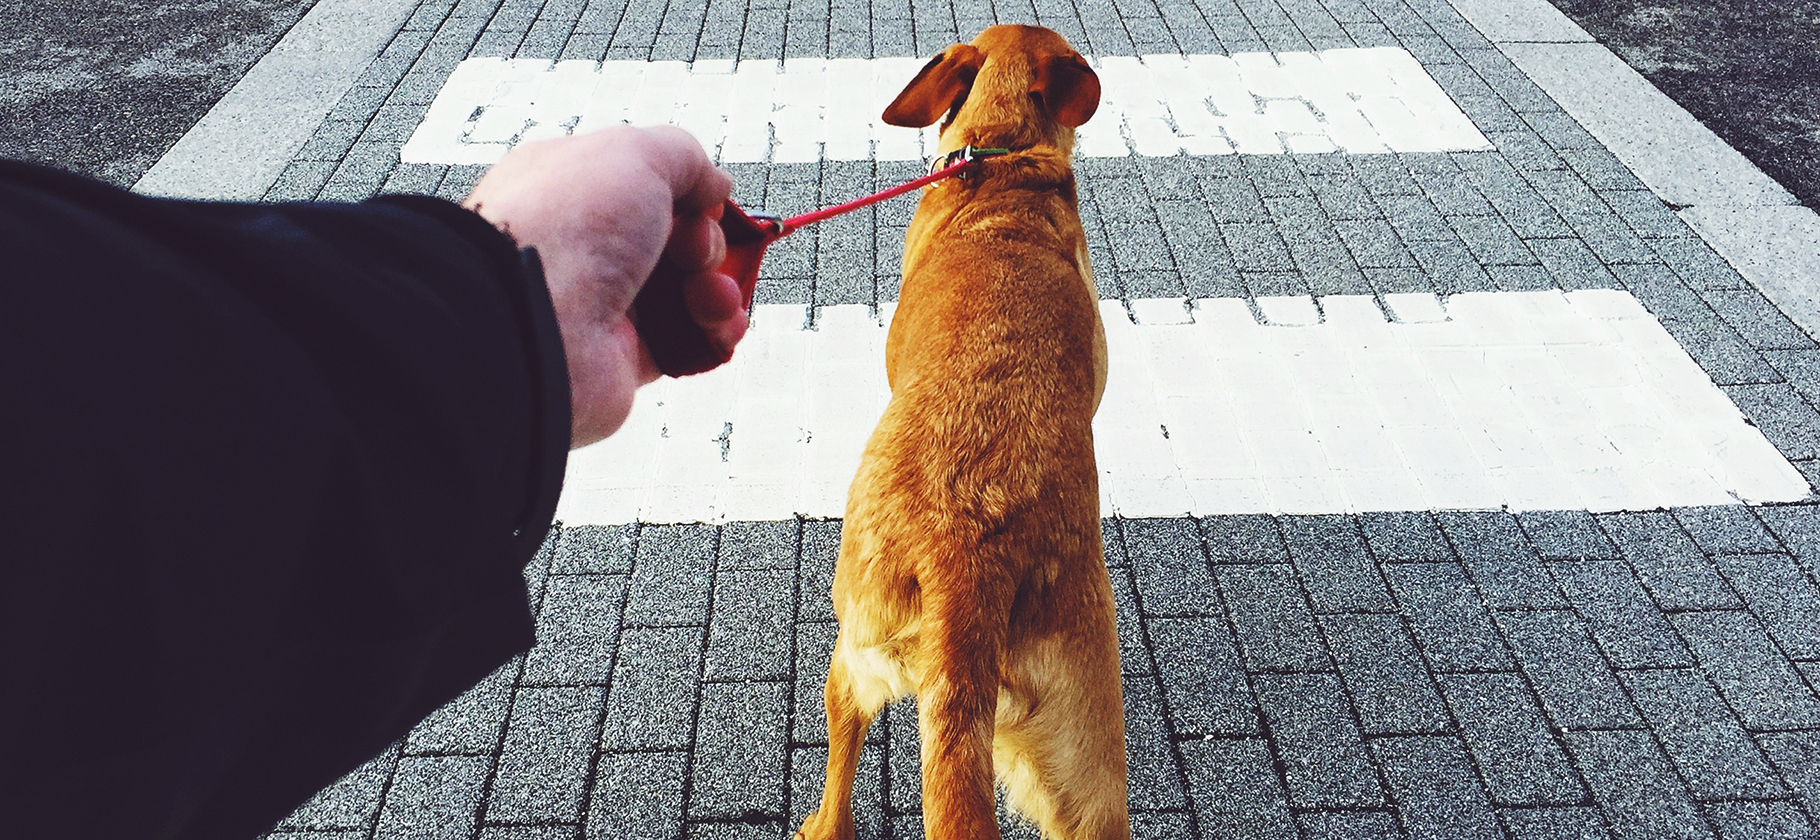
{"x":433,"y":796}
{"x":1782,"y":596}
{"x":1342,"y":194}
{"x":544,"y":762}
{"x":1726,"y":529}
{"x":1337,"y":571}
{"x":1628,"y":627}
{"x":1491,"y":240}
{"x":1112,"y":542}
{"x":1798,"y":527}
{"x":1634,"y":783}
{"x":1760,"y":821}
{"x":1453,"y":196}
{"x":1169,"y":567}
{"x":1392,"y":281}
{"x":350,"y":802}
{"x":814,"y":649}
{"x":1554,"y":823}
{"x":1494,"y":550}
{"x":1311,"y":728}
{"x":1451,"y":624}
{"x":1577,"y":686}
{"x":1566,"y":535}
{"x":1702,"y":737}
{"x":1155,"y":781}
{"x":1405,"y":537}
{"x":1257,"y":247}
{"x":1752,"y":675}
{"x":471,"y":723}
{"x":1789,"y":423}
{"x":1244,"y":539}
{"x":1796,"y":755}
{"x":758,"y":545}
{"x":1433,"y":785}
{"x":1235,"y":790}
{"x":1668,"y":562}
{"x":1450,"y":265}
{"x":1696,"y":264}
{"x":1520,"y":278}
{"x":1572,"y":265}
{"x":1518,"y":756}
{"x":652,"y":702}
{"x":637,"y":794}
{"x":1757,"y":319}
{"x":739,"y":772}
{"x":1276,"y":630}
{"x":738,"y":831}
{"x":1384,"y":673}
{"x":1373,"y":244}
{"x":1154,"y":825}
{"x":1801,"y":368}
{"x":1231,"y":199}
{"x":1610,"y":238}
{"x":1415,"y":218}
{"x":577,"y":629}
{"x":1347,"y":825}
{"x":594,"y":549}
{"x":1646,"y":214}
{"x":1720,"y":352}
{"x":815,"y":570}
{"x":1204,"y":678}
{"x":671,"y":576}
{"x":1134,"y":651}
{"x":749,"y":633}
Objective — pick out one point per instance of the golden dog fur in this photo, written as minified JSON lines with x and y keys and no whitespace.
{"x":970,"y":568}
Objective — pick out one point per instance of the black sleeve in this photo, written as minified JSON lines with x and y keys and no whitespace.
{"x":269,"y":475}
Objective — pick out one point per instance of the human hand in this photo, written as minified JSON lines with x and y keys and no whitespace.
{"x":607,"y":212}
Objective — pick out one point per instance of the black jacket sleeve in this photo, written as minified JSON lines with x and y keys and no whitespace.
{"x":269,"y":475}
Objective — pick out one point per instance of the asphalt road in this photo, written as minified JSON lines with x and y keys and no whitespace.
{"x":104,"y":87}
{"x":1748,"y":69}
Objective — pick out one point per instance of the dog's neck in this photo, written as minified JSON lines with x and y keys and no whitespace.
{"x":1036,"y":167}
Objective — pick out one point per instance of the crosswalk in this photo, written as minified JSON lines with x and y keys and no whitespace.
{"x":1521,"y":400}
{"x":1357,"y":101}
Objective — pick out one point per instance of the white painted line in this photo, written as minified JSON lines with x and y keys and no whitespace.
{"x":1523,"y":400}
{"x":238,"y":150}
{"x":807,"y":109}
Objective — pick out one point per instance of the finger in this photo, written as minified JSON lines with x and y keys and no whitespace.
{"x":696,"y":244}
{"x":676,"y":157}
{"x":712,"y":298}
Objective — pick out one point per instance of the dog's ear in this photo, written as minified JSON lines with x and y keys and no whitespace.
{"x":1069,"y":89}
{"x":943,"y":80}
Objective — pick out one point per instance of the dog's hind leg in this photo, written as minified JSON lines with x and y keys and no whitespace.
{"x":956,"y":705}
{"x":1060,"y":748}
{"x":849,"y":714}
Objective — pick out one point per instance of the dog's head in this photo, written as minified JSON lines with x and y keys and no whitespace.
{"x":1014,"y":86}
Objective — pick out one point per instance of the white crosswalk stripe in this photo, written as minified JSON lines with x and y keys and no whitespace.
{"x":1525,"y":400}
{"x":806,"y":109}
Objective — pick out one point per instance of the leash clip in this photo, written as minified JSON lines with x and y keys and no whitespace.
{"x":968,"y":154}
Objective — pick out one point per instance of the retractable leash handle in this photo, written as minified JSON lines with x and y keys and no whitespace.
{"x":678,"y":344}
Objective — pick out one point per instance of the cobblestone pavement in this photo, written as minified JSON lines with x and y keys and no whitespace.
{"x":1412,"y":674}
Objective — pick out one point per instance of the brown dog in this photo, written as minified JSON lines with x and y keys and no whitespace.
{"x":970,"y":567}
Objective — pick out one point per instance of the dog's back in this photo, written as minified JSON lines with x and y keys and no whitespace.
{"x":970,"y":570}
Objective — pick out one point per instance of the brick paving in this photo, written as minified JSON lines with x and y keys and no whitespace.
{"x":1547,"y":674}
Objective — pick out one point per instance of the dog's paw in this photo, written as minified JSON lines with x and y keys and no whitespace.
{"x":821,"y":827}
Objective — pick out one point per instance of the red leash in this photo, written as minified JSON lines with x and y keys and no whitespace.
{"x":678,"y":344}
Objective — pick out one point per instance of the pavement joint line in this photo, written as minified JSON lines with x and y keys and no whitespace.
{"x":1754,"y":223}
{"x":239,"y":149}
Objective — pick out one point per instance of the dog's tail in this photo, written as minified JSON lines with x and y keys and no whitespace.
{"x":956,"y":706}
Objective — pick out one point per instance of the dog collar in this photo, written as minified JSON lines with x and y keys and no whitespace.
{"x":966,"y":154}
